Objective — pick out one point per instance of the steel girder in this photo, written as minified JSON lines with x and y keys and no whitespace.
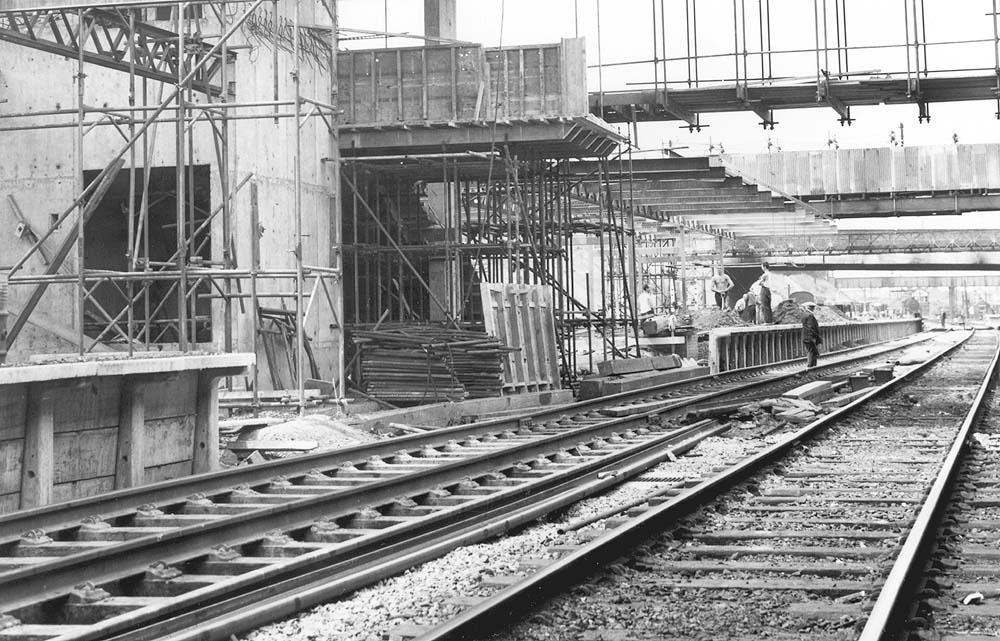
{"x":106,"y":41}
{"x":870,"y":242}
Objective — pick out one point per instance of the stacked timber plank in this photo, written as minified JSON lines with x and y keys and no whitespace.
{"x":429,"y":363}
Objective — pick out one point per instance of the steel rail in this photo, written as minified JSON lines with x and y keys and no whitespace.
{"x":36,"y":583}
{"x":219,"y":620}
{"x":607,"y":471}
{"x":569,"y":568}
{"x":121,"y":502}
{"x":894,"y":597}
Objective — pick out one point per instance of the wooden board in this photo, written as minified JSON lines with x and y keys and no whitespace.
{"x":166,"y":472}
{"x":85,"y":454}
{"x":169,"y":440}
{"x":13,"y":404}
{"x":523,"y":318}
{"x":10,"y":465}
{"x":173,"y":396}
{"x":275,"y":446}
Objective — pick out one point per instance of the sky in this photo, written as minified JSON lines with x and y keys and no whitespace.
{"x":625,"y":33}
{"x":619,"y":31}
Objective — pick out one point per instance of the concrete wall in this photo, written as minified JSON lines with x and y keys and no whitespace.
{"x":38,"y":168}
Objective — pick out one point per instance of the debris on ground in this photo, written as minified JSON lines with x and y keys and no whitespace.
{"x":760,"y":418}
{"x":319,"y":431}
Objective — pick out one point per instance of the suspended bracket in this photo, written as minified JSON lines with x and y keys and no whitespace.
{"x":757,"y":106}
{"x":823,"y":94}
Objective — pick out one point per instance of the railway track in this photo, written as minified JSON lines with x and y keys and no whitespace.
{"x":815,"y":537}
{"x":124,"y":564}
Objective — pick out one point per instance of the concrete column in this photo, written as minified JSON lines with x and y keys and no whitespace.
{"x":439,"y":19}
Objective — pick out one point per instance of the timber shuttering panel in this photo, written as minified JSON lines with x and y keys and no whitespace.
{"x":522,"y":317}
{"x":462,"y":83}
{"x":77,"y":429}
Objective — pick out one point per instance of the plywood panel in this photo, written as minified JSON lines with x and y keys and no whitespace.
{"x":169,"y":440}
{"x":10,"y":465}
{"x":13,"y":403}
{"x":85,"y":454}
{"x":90,"y":404}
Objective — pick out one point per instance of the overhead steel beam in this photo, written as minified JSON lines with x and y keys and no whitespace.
{"x":885,"y":206}
{"x":869,"y":243}
{"x":901,"y":262}
{"x":793,"y":94}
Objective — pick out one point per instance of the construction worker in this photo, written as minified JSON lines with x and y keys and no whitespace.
{"x":810,"y":334}
{"x":646,"y":304}
{"x":763,"y":293}
{"x":721,"y":283}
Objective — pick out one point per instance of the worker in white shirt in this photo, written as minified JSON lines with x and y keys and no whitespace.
{"x":646,"y":303}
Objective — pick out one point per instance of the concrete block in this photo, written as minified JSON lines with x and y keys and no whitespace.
{"x":883,"y":374}
{"x":815,"y":391}
{"x":669,"y":361}
{"x":624,"y":366}
{"x":859,"y":382}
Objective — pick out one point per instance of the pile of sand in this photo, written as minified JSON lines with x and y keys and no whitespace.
{"x":712,"y":317}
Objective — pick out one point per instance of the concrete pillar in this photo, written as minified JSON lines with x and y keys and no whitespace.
{"x":439,"y":19}
{"x":952,"y":298}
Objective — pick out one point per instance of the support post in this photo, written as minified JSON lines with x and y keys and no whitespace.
{"x":205,"y":457}
{"x":130,"y":467}
{"x":38,"y":466}
{"x":440,"y":19}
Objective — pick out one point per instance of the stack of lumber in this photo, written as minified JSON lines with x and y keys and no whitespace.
{"x":429,"y":363}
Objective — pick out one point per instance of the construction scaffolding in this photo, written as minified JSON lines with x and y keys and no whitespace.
{"x":152,"y":254}
{"x":177,"y":233}
{"x":423,"y":235}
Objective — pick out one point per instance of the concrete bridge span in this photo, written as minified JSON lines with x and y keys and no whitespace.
{"x":887,"y":181}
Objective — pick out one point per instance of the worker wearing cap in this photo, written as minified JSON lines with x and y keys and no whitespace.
{"x":810,"y":333}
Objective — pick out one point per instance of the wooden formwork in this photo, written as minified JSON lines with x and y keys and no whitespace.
{"x":522,"y":317}
{"x":69,"y":430}
{"x":456,"y":83}
{"x":732,"y":348}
